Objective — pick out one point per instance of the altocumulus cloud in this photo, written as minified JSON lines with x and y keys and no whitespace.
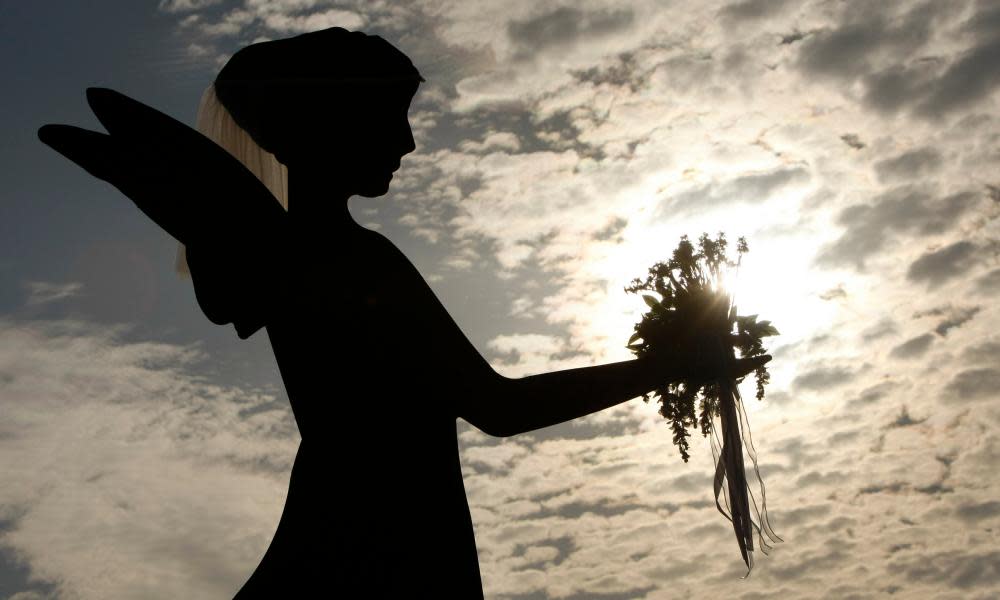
{"x":125,"y":477}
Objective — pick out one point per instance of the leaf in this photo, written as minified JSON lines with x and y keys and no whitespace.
{"x":634,"y":337}
{"x":651,"y":301}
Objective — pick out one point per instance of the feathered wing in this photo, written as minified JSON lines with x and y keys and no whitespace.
{"x":192,"y":188}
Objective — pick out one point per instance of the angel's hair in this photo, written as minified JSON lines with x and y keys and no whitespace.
{"x":215,"y":122}
{"x":250,"y":107}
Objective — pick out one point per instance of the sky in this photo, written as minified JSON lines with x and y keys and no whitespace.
{"x":562,"y":148}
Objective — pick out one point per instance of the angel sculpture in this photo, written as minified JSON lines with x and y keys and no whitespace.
{"x":376,"y":370}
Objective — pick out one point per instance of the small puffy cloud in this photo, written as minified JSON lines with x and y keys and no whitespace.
{"x":989,"y":283}
{"x":914,"y":347}
{"x":951,"y":316}
{"x":939,"y":266}
{"x":179,"y":6}
{"x":909,"y":166}
{"x":822,"y":378}
{"x":975,"y":384}
{"x":975,"y":512}
{"x":987,"y":352}
{"x":44,"y":292}
{"x":853,"y":140}
{"x":494,"y":141}
{"x":750,"y":10}
{"x":300,"y":23}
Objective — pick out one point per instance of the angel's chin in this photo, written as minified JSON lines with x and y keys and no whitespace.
{"x":374,"y":189}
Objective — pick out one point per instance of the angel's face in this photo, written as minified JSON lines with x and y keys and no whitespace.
{"x":378,"y":148}
{"x":360,"y":142}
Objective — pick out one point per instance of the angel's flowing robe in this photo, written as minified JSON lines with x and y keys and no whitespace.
{"x":376,"y":371}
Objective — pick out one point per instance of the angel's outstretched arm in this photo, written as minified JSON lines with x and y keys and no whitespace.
{"x":503,"y":406}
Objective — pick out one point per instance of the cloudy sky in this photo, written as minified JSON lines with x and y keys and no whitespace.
{"x":563,"y":147}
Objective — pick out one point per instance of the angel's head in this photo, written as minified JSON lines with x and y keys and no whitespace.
{"x":331,"y":101}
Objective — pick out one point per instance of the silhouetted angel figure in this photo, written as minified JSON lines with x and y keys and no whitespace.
{"x":376,"y":370}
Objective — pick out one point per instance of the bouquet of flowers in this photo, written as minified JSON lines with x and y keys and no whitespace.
{"x":695,"y":317}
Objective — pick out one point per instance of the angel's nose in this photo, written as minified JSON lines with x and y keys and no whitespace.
{"x":408,"y":144}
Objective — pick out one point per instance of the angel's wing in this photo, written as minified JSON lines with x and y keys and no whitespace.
{"x":191,"y":187}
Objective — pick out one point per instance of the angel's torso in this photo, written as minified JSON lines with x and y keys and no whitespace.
{"x":378,"y":468}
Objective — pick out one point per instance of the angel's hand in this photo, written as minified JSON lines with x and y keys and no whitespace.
{"x":705,"y":360}
{"x":744,"y":366}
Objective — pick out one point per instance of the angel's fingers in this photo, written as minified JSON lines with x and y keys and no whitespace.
{"x":744,"y":366}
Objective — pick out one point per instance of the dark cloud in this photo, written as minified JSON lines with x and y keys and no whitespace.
{"x":904,"y":420}
{"x":604,"y":507}
{"x":564,"y":546}
{"x":791,"y":38}
{"x":813,"y":478}
{"x":16,"y":577}
{"x":842,"y":437}
{"x":973,"y":513}
{"x":621,"y":72}
{"x":565,"y":25}
{"x":612,"y":230}
{"x":842,"y":52}
{"x":894,"y":88}
{"x":960,"y":569}
{"x":754,"y":188}
{"x":879,"y":330}
{"x":904,"y":209}
{"x":852,"y":140}
{"x":689,"y":482}
{"x":897,"y":547}
{"x":934,"y":88}
{"x":823,"y":378}
{"x":909,"y":166}
{"x":628,"y":594}
{"x":752,"y":9}
{"x":954,"y":317}
{"x":884,"y":488}
{"x":799,"y":453}
{"x":834,"y":293}
{"x":778,"y":398}
{"x":800,"y":516}
{"x":867,"y":35}
{"x":985,"y":22}
{"x":984,"y":353}
{"x":935,"y":268}
{"x":968,"y":80}
{"x":870,"y":395}
{"x":913,"y":348}
{"x":993,"y":192}
{"x":975,"y":384}
{"x":884,"y":53}
{"x":814,"y":563}
{"x":989,"y":283}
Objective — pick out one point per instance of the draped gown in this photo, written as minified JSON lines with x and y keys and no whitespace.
{"x":376,"y":371}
